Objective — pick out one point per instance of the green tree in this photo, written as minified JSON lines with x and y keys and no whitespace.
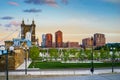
{"x":43,"y":52}
{"x":103,"y":54}
{"x":65,"y":54}
{"x":53,"y":54}
{"x":87,"y":54}
{"x":50,"y":51}
{"x":79,"y":55}
{"x":34,"y":53}
{"x":73,"y":52}
{"x":96,"y":55}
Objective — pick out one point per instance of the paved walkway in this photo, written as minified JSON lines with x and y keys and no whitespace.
{"x":94,"y":77}
{"x":89,"y":77}
{"x":60,"y":72}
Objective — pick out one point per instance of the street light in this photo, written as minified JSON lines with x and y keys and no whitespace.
{"x":5,"y":52}
{"x":92,"y":66}
{"x":26,"y":49}
{"x":113,"y":58}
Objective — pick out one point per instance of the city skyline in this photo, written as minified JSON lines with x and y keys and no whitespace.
{"x":77,"y":19}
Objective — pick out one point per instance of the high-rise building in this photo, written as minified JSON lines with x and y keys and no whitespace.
{"x":48,"y":41}
{"x":28,"y":32}
{"x":99,"y":39}
{"x":87,"y":43}
{"x":58,"y":39}
{"x":43,"y":41}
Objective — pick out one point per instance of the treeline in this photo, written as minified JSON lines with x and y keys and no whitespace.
{"x":53,"y":54}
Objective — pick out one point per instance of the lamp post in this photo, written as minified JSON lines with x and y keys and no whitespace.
{"x":113,"y":58}
{"x":92,"y":65}
{"x":25,"y":49}
{"x":5,"y":52}
{"x":28,"y":53}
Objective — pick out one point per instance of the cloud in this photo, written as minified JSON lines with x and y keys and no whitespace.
{"x":13,"y":3}
{"x":40,"y":2}
{"x":52,"y":3}
{"x":32,"y":10}
{"x":7,"y":18}
{"x":0,"y":24}
{"x":15,"y":23}
{"x":7,"y":25}
{"x":65,"y":2}
{"x":12,"y":23}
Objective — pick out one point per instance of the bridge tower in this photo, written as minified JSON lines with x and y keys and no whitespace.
{"x":28,"y":28}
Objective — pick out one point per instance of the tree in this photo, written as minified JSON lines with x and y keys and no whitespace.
{"x":73,"y":52}
{"x":79,"y":55}
{"x":65,"y":54}
{"x":103,"y":54}
{"x":34,"y":53}
{"x":43,"y":52}
{"x":87,"y":54}
{"x":50,"y":51}
{"x":96,"y":55}
{"x":53,"y":54}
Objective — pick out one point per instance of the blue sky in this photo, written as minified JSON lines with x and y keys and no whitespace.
{"x":77,"y":19}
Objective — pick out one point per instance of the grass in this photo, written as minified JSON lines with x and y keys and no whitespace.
{"x":59,"y":65}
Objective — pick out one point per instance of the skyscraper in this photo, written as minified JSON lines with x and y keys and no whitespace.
{"x":48,"y":41}
{"x":43,"y":40}
{"x":58,"y":39}
{"x":99,"y":39}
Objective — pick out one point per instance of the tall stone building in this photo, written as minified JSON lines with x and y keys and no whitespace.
{"x":29,"y":31}
{"x":48,"y":41}
{"x":58,"y":39}
{"x":99,"y":39}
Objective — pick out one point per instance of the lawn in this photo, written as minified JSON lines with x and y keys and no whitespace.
{"x":59,"y":65}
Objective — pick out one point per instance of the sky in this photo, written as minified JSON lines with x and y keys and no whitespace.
{"x":77,"y":19}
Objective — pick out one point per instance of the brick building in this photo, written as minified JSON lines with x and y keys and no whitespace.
{"x":87,"y":43}
{"x":48,"y":42}
{"x":99,"y":39}
{"x":58,"y":39}
{"x":73,"y":44}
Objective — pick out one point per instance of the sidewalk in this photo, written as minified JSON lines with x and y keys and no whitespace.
{"x":87,"y":77}
{"x":60,"y":72}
